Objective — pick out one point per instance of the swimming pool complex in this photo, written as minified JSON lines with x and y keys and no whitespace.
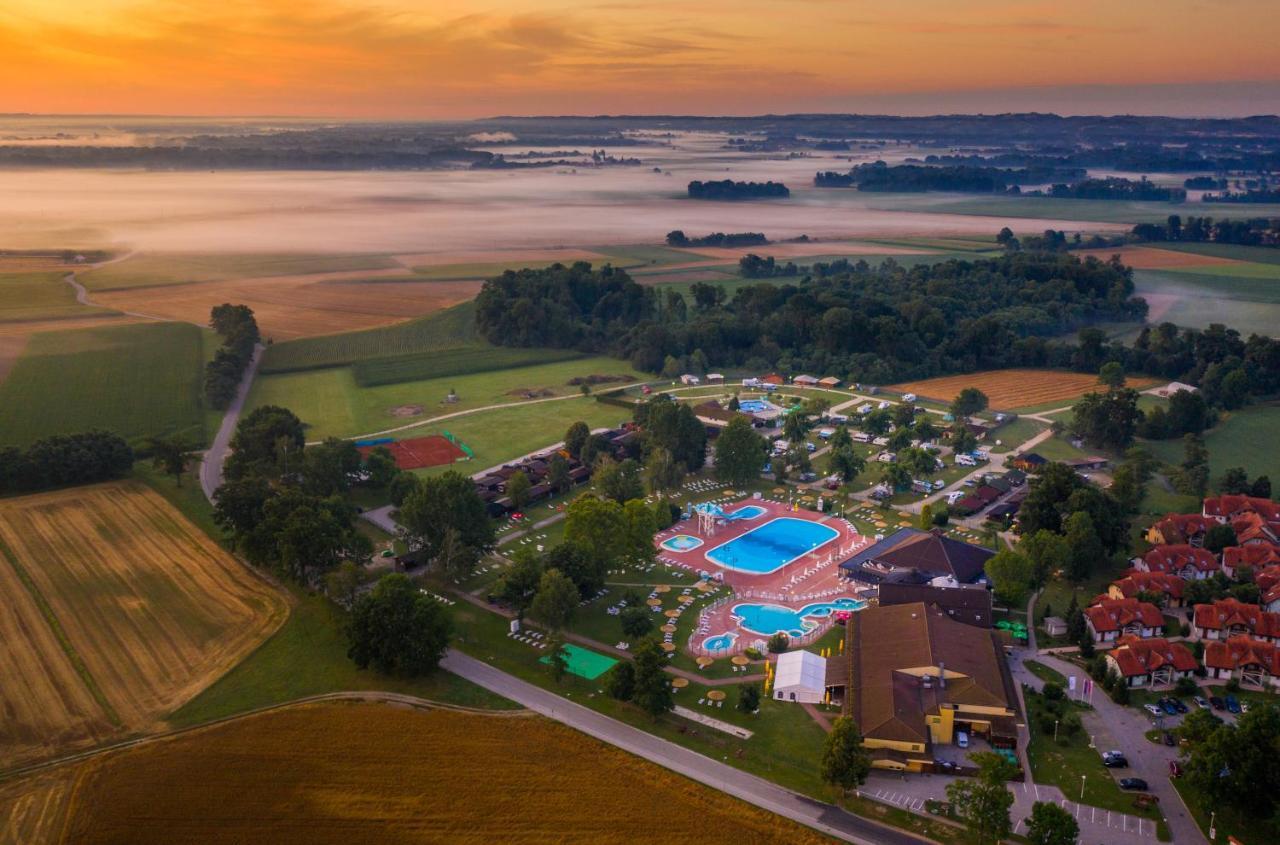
{"x":681,"y":543}
{"x":746,"y":512}
{"x":772,"y":546}
{"x":755,"y":406}
{"x":768,"y":619}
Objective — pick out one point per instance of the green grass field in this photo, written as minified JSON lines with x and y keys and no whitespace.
{"x":1244,"y":438}
{"x":1016,"y":433}
{"x":448,"y":363}
{"x":41,"y":296}
{"x":135,"y":380}
{"x":149,"y":269}
{"x":1051,"y":208}
{"x":332,"y":403}
{"x":452,"y":327}
{"x":1249,"y":305}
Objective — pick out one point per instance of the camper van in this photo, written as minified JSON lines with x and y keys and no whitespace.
{"x":965,"y":460}
{"x":908,"y":397}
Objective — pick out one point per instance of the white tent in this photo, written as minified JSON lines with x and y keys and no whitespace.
{"x":801,"y":676}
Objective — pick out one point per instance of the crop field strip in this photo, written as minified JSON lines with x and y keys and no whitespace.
{"x":140,"y":601}
{"x":137,"y":380}
{"x":33,"y":809}
{"x":318,"y":773}
{"x":459,"y":361}
{"x":155,"y":269}
{"x":1010,"y":389}
{"x":41,"y":296}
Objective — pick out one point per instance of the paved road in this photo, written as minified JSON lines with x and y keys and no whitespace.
{"x":216,"y":455}
{"x":824,"y":817}
{"x":1114,"y":726}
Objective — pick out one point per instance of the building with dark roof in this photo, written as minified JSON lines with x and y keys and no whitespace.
{"x":916,"y":677}
{"x":969,"y":603}
{"x":931,"y":553}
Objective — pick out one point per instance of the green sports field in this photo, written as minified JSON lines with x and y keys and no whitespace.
{"x":136,"y":380}
{"x":332,"y":403}
{"x":1245,"y":438}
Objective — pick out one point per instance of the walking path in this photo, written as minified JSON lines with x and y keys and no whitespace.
{"x":211,"y":468}
{"x":755,"y":790}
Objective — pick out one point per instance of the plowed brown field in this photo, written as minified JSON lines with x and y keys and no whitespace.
{"x":1009,"y":389}
{"x":364,"y":773}
{"x":115,"y":610}
{"x":288,"y":307}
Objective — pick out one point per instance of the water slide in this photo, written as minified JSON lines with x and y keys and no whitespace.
{"x":718,"y":512}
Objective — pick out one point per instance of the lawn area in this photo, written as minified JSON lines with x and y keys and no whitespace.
{"x":41,"y":296}
{"x":1064,"y":762}
{"x":137,"y":380}
{"x":1045,"y":673}
{"x":1227,"y":820}
{"x":331,"y":403}
{"x":1248,"y":301}
{"x":148,"y":269}
{"x":1057,"y":449}
{"x":450,"y":328}
{"x":1016,"y":433}
{"x":1244,"y":438}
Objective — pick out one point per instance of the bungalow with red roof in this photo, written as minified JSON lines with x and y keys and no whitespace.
{"x":1227,"y":507}
{"x":772,"y":378}
{"x":1151,"y":662}
{"x":1110,"y":619}
{"x":1252,"y":529}
{"x":1268,"y":581}
{"x":1177,"y":528}
{"x":829,"y":381}
{"x":1255,"y":558}
{"x":1168,"y":587}
{"x":806,"y":381}
{"x":1251,"y":662}
{"x":1183,"y":560}
{"x":1230,"y":617}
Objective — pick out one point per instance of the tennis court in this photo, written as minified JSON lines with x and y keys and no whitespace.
{"x":415,"y":453}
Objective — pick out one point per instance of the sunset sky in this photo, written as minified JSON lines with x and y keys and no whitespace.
{"x":403,"y":59}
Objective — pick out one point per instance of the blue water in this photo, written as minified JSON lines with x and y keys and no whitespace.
{"x":772,"y":546}
{"x":719,"y":642}
{"x":755,"y":406}
{"x":768,"y":619}
{"x":681,"y":543}
{"x":748,"y":512}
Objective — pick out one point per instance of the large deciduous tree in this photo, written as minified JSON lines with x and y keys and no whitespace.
{"x":846,"y":762}
{"x":398,"y":630}
{"x":740,"y":453}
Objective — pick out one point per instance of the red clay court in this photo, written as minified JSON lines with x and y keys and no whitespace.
{"x":419,"y":452}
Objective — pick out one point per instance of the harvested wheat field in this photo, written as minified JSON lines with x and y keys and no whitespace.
{"x":33,"y":809}
{"x":1009,"y":389}
{"x":1154,"y":258}
{"x":289,"y":307}
{"x":116,"y":611}
{"x":356,"y":773}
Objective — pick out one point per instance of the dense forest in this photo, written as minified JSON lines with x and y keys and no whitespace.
{"x":867,"y":324}
{"x":1257,"y":231}
{"x":1117,"y":188}
{"x":1253,"y":195}
{"x":728,"y":189}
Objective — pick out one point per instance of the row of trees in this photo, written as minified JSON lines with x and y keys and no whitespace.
{"x":239,"y":331}
{"x":63,"y":460}
{"x":1258,"y":231}
{"x":680,"y":239}
{"x":879,"y":176}
{"x":728,"y":189}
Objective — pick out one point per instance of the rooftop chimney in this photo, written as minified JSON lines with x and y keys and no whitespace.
{"x":942,"y":674}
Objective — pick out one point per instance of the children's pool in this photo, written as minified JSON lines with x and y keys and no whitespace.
{"x":720,"y":642}
{"x":768,"y":619}
{"x":681,"y":543}
{"x":772,"y":546}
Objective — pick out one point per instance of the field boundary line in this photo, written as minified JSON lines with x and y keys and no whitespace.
{"x":60,"y":634}
{"x":356,"y":696}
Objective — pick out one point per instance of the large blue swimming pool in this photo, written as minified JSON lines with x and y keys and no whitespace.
{"x":755,"y":406}
{"x":768,"y":619}
{"x":772,"y":546}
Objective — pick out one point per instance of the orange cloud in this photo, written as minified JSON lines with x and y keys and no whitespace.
{"x":398,"y":58}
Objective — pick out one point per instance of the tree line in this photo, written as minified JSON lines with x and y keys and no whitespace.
{"x":728,"y":189}
{"x":679,"y":238}
{"x":239,"y":331}
{"x":879,"y":176}
{"x":1257,"y":231}
{"x":64,"y":460}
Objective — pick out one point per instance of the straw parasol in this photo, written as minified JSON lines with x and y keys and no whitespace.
{"x":680,"y":683}
{"x":740,"y":660}
{"x":672,"y":614}
{"x":668,"y":628}
{"x":704,"y":662}
{"x":716,"y":695}
{"x":668,"y":647}
{"x":685,"y":599}
{"x":705,"y":586}
{"x":654,"y":602}
{"x":662,"y":588}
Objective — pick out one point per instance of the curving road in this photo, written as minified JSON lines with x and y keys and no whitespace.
{"x":821,"y":816}
{"x":215,"y":457}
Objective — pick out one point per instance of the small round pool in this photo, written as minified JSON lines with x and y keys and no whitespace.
{"x":681,"y":543}
{"x":720,"y":642}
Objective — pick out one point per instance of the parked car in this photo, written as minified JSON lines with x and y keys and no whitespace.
{"x":807,"y":477}
{"x":1217,"y":703}
{"x":1114,"y":760}
{"x":1153,"y":710}
{"x":1169,"y":740}
{"x":1233,"y":705}
{"x":1175,"y":769}
{"x":1133,"y":783}
{"x":1167,"y":705}
{"x":962,"y":739}
{"x":1202,"y":702}
{"x":1177,"y":702}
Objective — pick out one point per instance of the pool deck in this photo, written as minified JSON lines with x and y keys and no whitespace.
{"x":810,"y":578}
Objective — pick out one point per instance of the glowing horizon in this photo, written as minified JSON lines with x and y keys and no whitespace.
{"x":396,"y":59}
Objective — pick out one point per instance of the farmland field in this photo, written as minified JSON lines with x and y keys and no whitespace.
{"x":449,"y":328}
{"x":135,"y":380}
{"x":319,"y":773}
{"x":332,"y":403}
{"x":40,"y":296}
{"x":1242,"y":295}
{"x":120,"y":610}
{"x":1007,"y":389}
{"x":33,"y":809}
{"x":151,"y":269}
{"x":458,"y":361}
{"x":1244,"y":438}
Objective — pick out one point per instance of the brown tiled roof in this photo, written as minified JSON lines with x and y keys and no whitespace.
{"x":884,"y":642}
{"x":1136,"y":656}
{"x":1114,"y":614}
{"x":970,"y":605}
{"x":1256,"y":556}
{"x":1252,"y":526}
{"x":1180,"y":527}
{"x":1232,"y":505}
{"x":1229,"y":612}
{"x":1238,"y":651}
{"x":1172,"y":558}
{"x":1135,"y":582}
{"x":932,"y":552}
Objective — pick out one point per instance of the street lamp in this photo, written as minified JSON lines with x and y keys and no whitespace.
{"x":1213,"y":834}
{"x":1082,"y":777}
{"x":1055,"y":730}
